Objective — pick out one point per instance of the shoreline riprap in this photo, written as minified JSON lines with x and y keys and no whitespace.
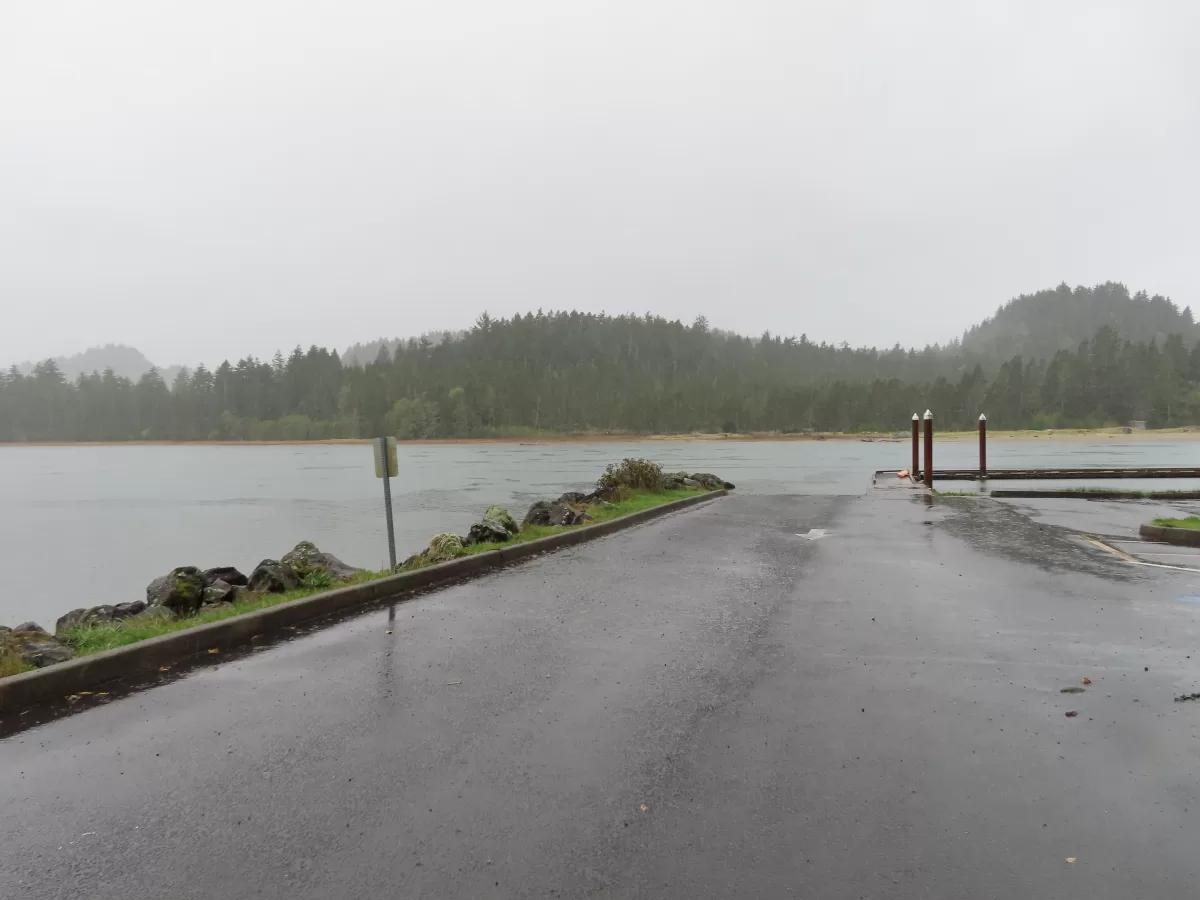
{"x":188,"y":596}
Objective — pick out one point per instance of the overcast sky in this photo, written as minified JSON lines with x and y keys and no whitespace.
{"x":214,"y":179}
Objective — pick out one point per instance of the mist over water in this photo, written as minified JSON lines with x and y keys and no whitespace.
{"x":88,"y":525}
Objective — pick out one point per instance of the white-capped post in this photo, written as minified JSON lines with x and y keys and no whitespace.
{"x":929,"y":449}
{"x":916,"y":442}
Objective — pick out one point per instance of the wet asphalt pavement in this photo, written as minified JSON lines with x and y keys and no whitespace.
{"x":706,"y":706}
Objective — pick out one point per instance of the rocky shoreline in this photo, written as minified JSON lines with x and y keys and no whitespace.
{"x":183,"y":592}
{"x":572,"y":508}
{"x":187,"y":591}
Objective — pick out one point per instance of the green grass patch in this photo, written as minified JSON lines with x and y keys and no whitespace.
{"x":1124,"y":492}
{"x":96,"y":638}
{"x":1192,"y":522}
{"x":11,"y":664}
{"x":1130,"y":493}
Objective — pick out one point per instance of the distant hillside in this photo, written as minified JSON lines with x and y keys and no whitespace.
{"x":127,"y":362}
{"x":361,"y":354}
{"x":1039,"y":325}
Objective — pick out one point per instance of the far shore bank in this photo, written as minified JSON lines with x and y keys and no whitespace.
{"x":1056,"y":435}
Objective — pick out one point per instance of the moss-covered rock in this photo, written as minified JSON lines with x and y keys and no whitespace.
{"x":98,"y":615}
{"x":496,"y":526}
{"x":501,"y":517}
{"x":306,"y":558}
{"x":35,"y":648}
{"x":181,"y":590}
{"x":543,"y":512}
{"x":444,"y":547}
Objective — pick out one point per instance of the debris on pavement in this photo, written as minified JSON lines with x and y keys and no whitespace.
{"x":1071,"y":690}
{"x":1071,"y":859}
{"x":1071,"y":713}
{"x":1183,"y":698}
{"x":1086,"y":680}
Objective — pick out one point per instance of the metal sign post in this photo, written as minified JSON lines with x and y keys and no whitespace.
{"x":982,"y":446}
{"x":387,"y":468}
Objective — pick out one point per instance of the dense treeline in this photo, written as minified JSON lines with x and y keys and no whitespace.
{"x":574,"y":371}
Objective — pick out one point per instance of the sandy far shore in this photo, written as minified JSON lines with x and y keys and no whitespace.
{"x":1058,"y":435}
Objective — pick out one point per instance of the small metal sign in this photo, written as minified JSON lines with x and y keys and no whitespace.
{"x":385,"y":448}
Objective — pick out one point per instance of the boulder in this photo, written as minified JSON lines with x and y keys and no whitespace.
{"x":30,"y":626}
{"x":501,"y":517}
{"x":487,"y":532}
{"x":574,"y":497}
{"x":180,"y":591}
{"x":73,"y":619}
{"x":34,"y":647}
{"x":444,"y":547}
{"x":546,"y":513}
{"x":306,"y":557}
{"x":539,"y":513}
{"x":4,"y":628}
{"x":128,"y":610}
{"x":221,"y":592}
{"x":271,"y":576}
{"x":496,"y":526}
{"x":97,"y":615}
{"x":227,"y":574}
{"x":562,"y":514}
{"x":46,"y":653}
{"x":77,"y":618}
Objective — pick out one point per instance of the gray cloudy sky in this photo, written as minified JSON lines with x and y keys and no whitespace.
{"x":215,"y":179}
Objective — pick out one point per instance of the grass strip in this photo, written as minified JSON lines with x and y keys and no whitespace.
{"x":96,"y":638}
{"x":634,"y":501}
{"x":1192,"y":522}
{"x":91,"y":639}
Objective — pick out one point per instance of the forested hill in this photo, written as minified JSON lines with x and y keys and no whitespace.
{"x":576,"y":372}
{"x":1037,"y":326}
{"x":125,"y":361}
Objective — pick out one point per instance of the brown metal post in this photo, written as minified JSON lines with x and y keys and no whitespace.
{"x":982,"y":446}
{"x":928,"y":449}
{"x":916,"y":441}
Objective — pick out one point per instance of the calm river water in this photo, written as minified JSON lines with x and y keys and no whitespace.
{"x":80,"y":526}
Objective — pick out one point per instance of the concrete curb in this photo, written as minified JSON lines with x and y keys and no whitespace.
{"x":88,"y":672}
{"x":1182,"y":537}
